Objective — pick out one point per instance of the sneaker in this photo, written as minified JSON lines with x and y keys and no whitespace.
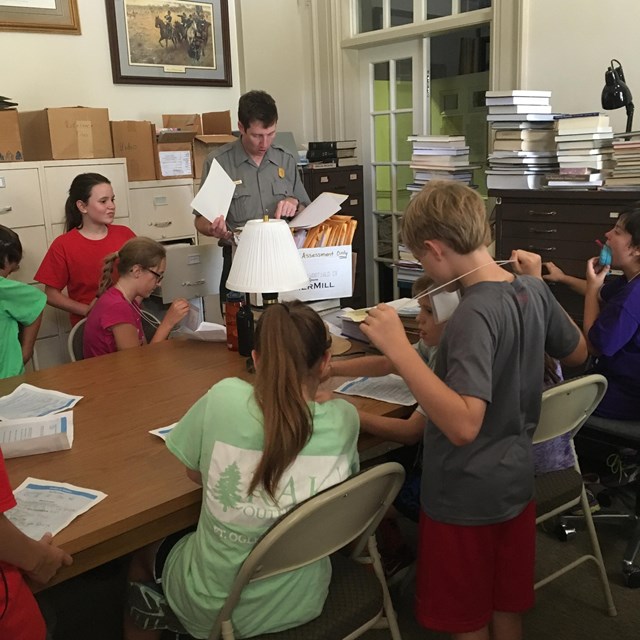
{"x":149,"y":608}
{"x":594,"y":505}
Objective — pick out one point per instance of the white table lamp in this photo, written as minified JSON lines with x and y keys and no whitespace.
{"x":267,"y":261}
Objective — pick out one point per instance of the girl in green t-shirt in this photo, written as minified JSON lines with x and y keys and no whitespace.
{"x":21,"y":308}
{"x":258,"y":450}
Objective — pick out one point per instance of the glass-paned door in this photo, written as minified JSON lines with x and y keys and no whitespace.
{"x":458,"y":79}
{"x":392,"y":109}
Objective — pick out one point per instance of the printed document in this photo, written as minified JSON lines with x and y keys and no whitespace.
{"x":214,"y":196}
{"x":322,"y":208}
{"x":46,"y":506}
{"x":29,"y":436}
{"x":27,"y":401}
{"x":163,"y":432}
{"x":390,"y":388}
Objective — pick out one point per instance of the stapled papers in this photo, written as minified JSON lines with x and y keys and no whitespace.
{"x":30,"y":436}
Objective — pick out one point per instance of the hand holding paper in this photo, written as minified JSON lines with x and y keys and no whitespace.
{"x":215,"y":194}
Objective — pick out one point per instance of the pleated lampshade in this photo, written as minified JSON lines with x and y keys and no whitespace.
{"x":266,"y":260}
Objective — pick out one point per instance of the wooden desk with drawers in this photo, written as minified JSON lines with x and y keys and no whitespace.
{"x":561,"y":226}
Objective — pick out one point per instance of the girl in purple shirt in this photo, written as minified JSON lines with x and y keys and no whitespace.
{"x":612,"y":319}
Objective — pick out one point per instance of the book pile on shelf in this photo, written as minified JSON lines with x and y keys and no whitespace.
{"x":522,"y":132}
{"x":439,"y":158}
{"x":626,"y":155}
{"x":331,"y":153}
{"x":407,"y":267}
{"x":585,"y":151}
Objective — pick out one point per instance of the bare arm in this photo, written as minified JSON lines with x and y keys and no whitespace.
{"x":59,"y":300}
{"x":40,"y":559}
{"x":405,"y":431}
{"x":458,"y":417}
{"x":125,"y":335}
{"x":176,"y":312}
{"x":555,"y":274}
{"x":194,"y":476}
{"x":215,"y":229}
{"x":28,"y":335}
{"x":593,"y":284}
{"x":372,"y":366}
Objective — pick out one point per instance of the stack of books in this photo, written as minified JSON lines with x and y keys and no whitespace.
{"x":626,"y":155}
{"x":439,"y":158}
{"x":407,"y":267}
{"x":585,"y":151}
{"x":332,"y":153}
{"x":522,"y":133}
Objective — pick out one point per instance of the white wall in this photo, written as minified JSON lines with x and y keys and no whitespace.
{"x":277,"y":56}
{"x":568,"y":46}
{"x":52,"y":70}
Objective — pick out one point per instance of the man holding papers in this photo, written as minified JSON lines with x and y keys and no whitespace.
{"x":40,"y":560}
{"x":266,"y":177}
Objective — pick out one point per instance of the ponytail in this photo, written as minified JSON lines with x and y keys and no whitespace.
{"x":140,"y":250}
{"x":290,"y":341}
{"x":107,"y":269}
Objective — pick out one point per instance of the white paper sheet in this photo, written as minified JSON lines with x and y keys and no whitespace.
{"x":322,"y":208}
{"x":46,"y":506}
{"x":27,"y":401}
{"x":163,"y":432}
{"x":175,"y":163}
{"x":207,"y":331}
{"x":404,"y":307}
{"x":30,"y":436}
{"x":390,"y":388}
{"x":215,"y":193}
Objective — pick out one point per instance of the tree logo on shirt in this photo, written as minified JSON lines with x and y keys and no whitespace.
{"x":227,"y":488}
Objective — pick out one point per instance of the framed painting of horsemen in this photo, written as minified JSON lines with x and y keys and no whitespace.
{"x":44,"y":16}
{"x":176,"y":42}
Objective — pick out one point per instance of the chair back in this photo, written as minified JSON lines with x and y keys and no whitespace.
{"x":566,"y":406}
{"x":75,"y":341}
{"x":349,"y":511}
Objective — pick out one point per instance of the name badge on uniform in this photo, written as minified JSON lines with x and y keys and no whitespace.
{"x":281,"y":172}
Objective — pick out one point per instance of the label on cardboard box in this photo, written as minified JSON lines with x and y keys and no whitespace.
{"x":175,"y":163}
{"x":329,"y":271}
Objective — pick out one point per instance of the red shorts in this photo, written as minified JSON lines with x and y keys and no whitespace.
{"x":465,"y":573}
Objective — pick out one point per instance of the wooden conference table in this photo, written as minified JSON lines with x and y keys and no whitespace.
{"x":125,"y":395}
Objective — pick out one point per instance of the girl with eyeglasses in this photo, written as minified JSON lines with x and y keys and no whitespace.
{"x":115,"y":321}
{"x":74,"y":259}
{"x":258,"y":451}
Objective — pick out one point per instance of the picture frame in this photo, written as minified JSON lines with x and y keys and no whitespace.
{"x":169,"y":42}
{"x":41,"y":16}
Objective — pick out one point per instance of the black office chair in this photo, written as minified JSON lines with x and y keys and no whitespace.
{"x":619,"y":434}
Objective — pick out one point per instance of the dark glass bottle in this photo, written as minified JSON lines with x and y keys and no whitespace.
{"x":231,"y":308}
{"x":244,"y":321}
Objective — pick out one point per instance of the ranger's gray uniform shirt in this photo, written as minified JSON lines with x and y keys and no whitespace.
{"x":261,"y":187}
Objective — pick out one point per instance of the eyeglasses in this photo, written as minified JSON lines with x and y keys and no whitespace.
{"x":158,"y":276}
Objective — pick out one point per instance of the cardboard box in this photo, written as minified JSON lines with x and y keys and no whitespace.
{"x":134,"y":140}
{"x":66,"y":133}
{"x":216,"y":131}
{"x":330,"y":274}
{"x":216,"y":122}
{"x":174,"y":154}
{"x":10,"y":141}
{"x":183,"y":122}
